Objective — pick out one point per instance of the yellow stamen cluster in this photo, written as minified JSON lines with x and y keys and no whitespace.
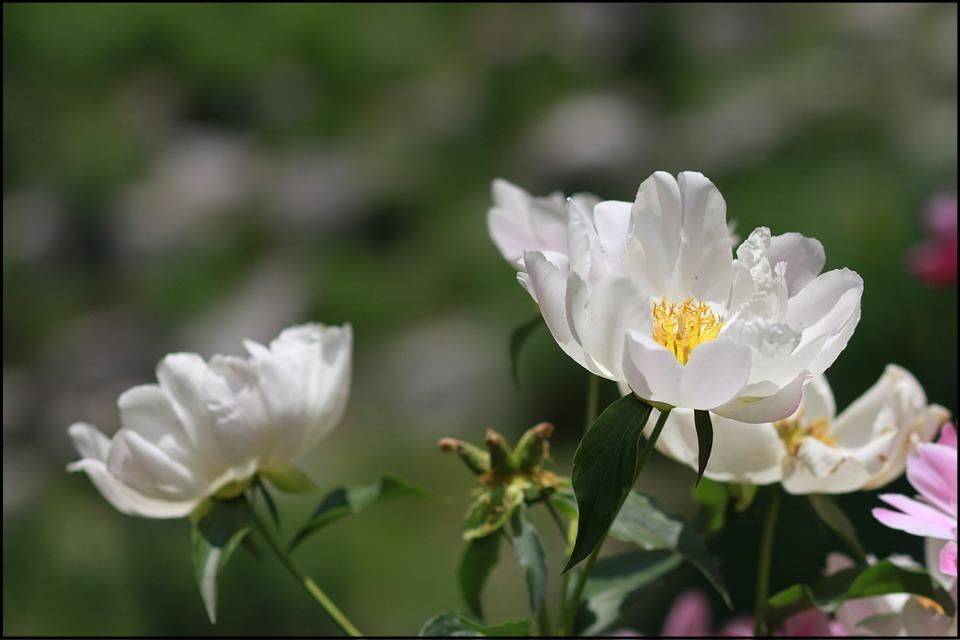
{"x":683,"y":327}
{"x":930,"y":605}
{"x":793,"y":430}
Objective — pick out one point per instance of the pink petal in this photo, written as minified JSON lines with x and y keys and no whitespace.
{"x":916,"y":517}
{"x":739,"y":627}
{"x":948,"y":558}
{"x":689,"y":617}
{"x":932,"y":470}
{"x":948,"y":435}
{"x":811,"y":623}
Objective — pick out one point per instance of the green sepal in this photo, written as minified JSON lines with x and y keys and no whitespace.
{"x":289,"y":479}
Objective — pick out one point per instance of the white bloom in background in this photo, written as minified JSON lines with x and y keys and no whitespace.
{"x":897,"y":614}
{"x":208,"y":424}
{"x":519,"y":222}
{"x":650,"y":295}
{"x":815,"y":450}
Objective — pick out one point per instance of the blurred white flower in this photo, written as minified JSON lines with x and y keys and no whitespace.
{"x":896,"y":614}
{"x":649,"y":294}
{"x":209,"y":424}
{"x":519,"y":222}
{"x":815,"y":450}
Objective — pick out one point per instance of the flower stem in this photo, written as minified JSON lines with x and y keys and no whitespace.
{"x":593,"y":394}
{"x":543,"y":621}
{"x":574,"y":603}
{"x":763,"y":567}
{"x":306,"y":582}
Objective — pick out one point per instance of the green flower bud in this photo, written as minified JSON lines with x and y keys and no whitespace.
{"x":476,"y":459}
{"x":500,"y":463}
{"x":533,"y":447}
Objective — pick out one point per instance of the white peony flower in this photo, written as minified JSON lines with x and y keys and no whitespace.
{"x":649,"y":294}
{"x":209,"y":424}
{"x":518,"y":222}
{"x":814,"y":450}
{"x":897,"y":614}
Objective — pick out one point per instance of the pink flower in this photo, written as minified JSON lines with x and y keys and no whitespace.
{"x":932,"y":470}
{"x":935,"y":259}
{"x":690,"y":617}
{"x":812,"y":623}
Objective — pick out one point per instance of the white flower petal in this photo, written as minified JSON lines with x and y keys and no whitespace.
{"x":600,"y":316}
{"x":519,"y":223}
{"x":548,"y":284}
{"x":612,"y":220}
{"x":883,"y":424}
{"x":146,"y":468}
{"x":752,"y":406}
{"x":818,"y":399}
{"x":304,"y":381}
{"x":186,"y":379}
{"x":826,"y":311}
{"x":716,"y":372}
{"x":820,"y":297}
{"x":799,"y":478}
{"x":803,"y":256}
{"x":704,"y":265}
{"x":149,"y":412}
{"x":652,"y":372}
{"x":127,"y":500}
{"x":89,"y":441}
{"x":654,"y":236}
{"x":744,"y":453}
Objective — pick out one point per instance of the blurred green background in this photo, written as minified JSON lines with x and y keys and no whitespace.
{"x":181,"y":177}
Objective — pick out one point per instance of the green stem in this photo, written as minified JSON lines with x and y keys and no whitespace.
{"x":306,"y":582}
{"x":763,"y":568}
{"x":593,"y":394}
{"x":574,"y":604}
{"x":543,"y":621}
{"x":563,"y":587}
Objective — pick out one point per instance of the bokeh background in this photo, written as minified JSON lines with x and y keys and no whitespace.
{"x":182,"y":177}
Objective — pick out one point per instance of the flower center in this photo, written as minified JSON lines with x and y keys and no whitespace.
{"x":793,"y":430}
{"x":930,"y":605}
{"x":683,"y":327}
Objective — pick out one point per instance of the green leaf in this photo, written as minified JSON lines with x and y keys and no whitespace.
{"x":479,"y":558}
{"x":518,"y":338}
{"x":834,"y":517}
{"x":344,"y":501}
{"x":445,"y":625}
{"x":529,"y":551}
{"x":615,"y":582}
{"x":604,"y":470}
{"x":214,"y":538}
{"x":289,"y":479}
{"x":645,"y":523}
{"x":713,"y":499}
{"x":701,"y":420}
{"x":827,"y":594}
